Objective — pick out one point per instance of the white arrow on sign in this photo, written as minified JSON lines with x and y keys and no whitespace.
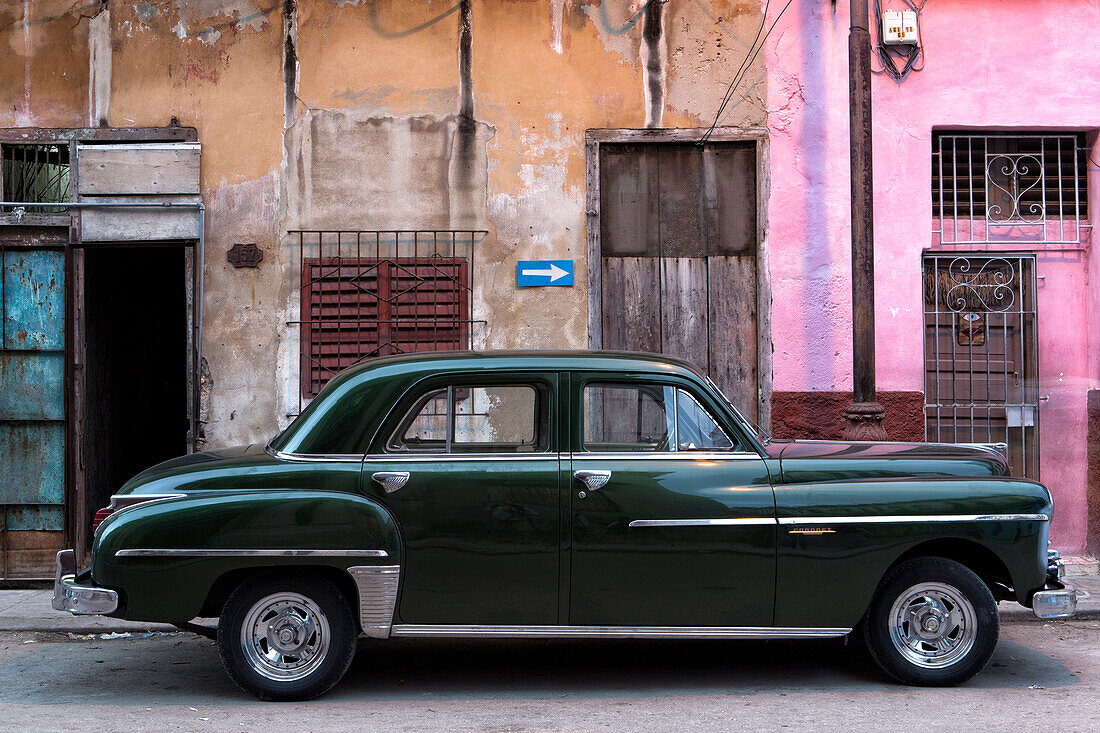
{"x":554,"y":273}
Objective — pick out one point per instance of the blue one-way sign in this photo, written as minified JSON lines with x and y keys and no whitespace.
{"x":534,"y":273}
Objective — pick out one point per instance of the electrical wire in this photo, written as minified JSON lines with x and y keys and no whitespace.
{"x":728,"y":95}
{"x":744,"y":67}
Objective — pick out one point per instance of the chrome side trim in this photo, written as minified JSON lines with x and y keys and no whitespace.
{"x":377,"y":586}
{"x":913,"y":518}
{"x":461,"y":457}
{"x":617,"y":632}
{"x":738,"y":522}
{"x":125,"y":501}
{"x":310,"y":458}
{"x":670,"y":456}
{"x":249,"y":553}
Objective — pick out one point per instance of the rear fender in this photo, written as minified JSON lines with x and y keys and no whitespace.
{"x":165,"y":557}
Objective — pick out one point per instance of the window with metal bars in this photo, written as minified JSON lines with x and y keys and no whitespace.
{"x":35,"y":174}
{"x":1009,"y":187}
{"x":372,"y":293}
{"x":360,"y":308}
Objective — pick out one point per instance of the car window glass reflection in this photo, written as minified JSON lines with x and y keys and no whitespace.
{"x":628,"y":417}
{"x":476,"y":419}
{"x":695,"y":429}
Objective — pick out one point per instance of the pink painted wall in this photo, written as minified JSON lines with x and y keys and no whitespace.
{"x":994,"y":64}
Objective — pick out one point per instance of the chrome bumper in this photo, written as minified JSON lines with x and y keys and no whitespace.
{"x":79,"y":599}
{"x":1058,"y":599}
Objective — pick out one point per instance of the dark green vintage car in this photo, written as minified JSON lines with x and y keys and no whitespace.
{"x":565,"y":494}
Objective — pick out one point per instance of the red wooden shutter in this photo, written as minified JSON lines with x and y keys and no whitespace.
{"x":354,"y":309}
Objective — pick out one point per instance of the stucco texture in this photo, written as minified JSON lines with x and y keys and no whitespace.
{"x":993,"y":65}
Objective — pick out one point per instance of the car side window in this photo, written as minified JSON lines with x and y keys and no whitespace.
{"x":627,"y":417}
{"x":647,"y":417}
{"x":695,"y":428}
{"x":475,"y":419}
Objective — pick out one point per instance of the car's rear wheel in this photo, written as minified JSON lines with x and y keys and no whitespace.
{"x":932,"y":622}
{"x":286,"y":637}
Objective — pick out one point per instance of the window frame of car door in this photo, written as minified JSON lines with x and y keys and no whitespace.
{"x":550,"y":380}
{"x":579,"y":380}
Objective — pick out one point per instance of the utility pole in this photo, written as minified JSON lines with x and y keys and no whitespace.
{"x":864,"y":416}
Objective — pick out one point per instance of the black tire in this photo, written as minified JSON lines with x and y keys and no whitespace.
{"x":308,"y":641}
{"x":927,"y":602}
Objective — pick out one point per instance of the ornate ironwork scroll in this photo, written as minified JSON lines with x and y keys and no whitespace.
{"x":1009,"y":178}
{"x":990,"y":288}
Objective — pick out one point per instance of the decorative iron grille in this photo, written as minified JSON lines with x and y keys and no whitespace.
{"x":366,"y":294}
{"x":1009,"y":188}
{"x":982,"y":381}
{"x":35,"y":174}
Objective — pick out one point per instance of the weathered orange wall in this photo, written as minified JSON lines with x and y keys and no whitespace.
{"x":372,"y":139}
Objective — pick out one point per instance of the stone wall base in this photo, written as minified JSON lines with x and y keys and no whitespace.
{"x":820,"y":415}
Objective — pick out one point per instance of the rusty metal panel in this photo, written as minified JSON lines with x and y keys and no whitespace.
{"x":32,"y":390}
{"x":34,"y":517}
{"x":32,"y":385}
{"x":34,"y":458}
{"x":33,"y":294}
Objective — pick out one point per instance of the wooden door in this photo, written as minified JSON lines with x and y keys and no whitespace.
{"x":678,"y":256}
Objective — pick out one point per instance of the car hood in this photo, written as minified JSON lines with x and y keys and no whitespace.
{"x":804,"y":461}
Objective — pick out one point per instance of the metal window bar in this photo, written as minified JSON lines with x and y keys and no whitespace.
{"x":1009,"y":189}
{"x":35,"y":174}
{"x":371,"y":293}
{"x":981,"y":353}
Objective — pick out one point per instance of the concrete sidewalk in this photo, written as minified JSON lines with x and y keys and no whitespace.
{"x":30,"y":610}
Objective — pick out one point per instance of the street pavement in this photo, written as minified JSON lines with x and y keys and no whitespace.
{"x":1043,"y":674}
{"x":105,"y":675}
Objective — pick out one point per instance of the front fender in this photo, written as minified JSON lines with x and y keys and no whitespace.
{"x":836,"y":540}
{"x":215,"y":533}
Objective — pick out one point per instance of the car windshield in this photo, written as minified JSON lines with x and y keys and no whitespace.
{"x":758,"y":431}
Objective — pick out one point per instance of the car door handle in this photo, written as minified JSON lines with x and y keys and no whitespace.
{"x":593,"y":480}
{"x":391,"y":481}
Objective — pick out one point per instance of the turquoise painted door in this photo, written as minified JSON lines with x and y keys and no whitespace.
{"x":32,"y":394}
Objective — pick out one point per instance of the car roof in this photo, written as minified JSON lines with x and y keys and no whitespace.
{"x":527,"y":359}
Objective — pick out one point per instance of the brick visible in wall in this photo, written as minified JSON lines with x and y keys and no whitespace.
{"x":820,"y":415}
{"x":1092,"y":483}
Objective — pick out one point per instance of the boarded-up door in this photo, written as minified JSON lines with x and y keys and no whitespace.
{"x":678,"y":256}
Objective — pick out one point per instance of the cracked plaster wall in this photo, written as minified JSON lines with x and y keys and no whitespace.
{"x":368,"y":135}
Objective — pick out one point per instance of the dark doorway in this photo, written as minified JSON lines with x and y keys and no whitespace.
{"x":135,"y":300}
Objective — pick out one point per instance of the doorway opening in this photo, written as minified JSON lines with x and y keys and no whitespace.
{"x":136,"y":364}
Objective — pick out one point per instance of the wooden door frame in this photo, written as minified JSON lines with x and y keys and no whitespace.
{"x":593,"y":138}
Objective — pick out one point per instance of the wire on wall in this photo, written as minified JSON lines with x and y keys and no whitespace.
{"x":899,"y":61}
{"x":750,"y":56}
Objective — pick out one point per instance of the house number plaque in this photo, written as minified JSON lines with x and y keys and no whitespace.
{"x":245,"y":255}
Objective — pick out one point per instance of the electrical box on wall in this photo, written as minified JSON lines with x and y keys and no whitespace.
{"x":899,"y":27}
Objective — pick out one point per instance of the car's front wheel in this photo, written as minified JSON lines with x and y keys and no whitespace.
{"x":932,"y":622}
{"x":286,"y":637}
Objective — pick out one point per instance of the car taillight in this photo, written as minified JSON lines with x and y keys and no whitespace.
{"x":100,"y":516}
{"x":125,"y":501}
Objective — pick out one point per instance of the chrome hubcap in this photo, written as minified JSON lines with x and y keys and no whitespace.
{"x":285,"y":636}
{"x":933,"y":625}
